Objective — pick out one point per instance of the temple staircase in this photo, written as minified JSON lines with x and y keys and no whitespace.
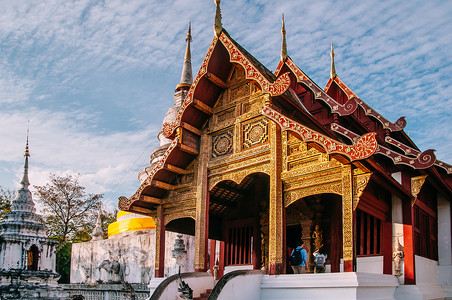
{"x":204,"y":295}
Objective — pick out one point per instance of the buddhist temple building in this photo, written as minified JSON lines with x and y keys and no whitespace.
{"x":27,"y":254}
{"x":251,"y":161}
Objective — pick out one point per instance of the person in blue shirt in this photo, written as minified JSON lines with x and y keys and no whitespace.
{"x":301,"y":268}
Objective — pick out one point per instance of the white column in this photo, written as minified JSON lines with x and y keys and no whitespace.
{"x":444,"y":274}
{"x":397,"y":231}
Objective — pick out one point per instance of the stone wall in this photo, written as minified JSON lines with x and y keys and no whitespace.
{"x":128,"y":257}
{"x":108,"y":291}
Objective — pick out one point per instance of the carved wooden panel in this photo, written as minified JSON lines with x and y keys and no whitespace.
{"x":190,"y":139}
{"x":222,"y":143}
{"x":254,"y":133}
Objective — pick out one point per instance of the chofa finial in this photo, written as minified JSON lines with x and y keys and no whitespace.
{"x":333,"y":69}
{"x":284,"y":44}
{"x":217,"y":26}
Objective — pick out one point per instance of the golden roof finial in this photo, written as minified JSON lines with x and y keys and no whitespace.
{"x":284,"y":44}
{"x":333,"y":69}
{"x":217,"y":26}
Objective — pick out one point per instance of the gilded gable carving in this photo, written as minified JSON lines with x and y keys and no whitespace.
{"x":226,"y":117}
{"x":255,"y":133}
{"x":222,"y":143}
{"x":239,"y":92}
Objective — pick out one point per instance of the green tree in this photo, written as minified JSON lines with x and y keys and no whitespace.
{"x":6,"y":197}
{"x":70,"y":215}
{"x":68,"y":212}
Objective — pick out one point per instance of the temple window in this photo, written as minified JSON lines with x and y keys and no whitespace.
{"x":32,"y":258}
{"x":369,"y":233}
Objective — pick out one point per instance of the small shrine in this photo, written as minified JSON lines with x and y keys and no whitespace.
{"x":27,"y":254}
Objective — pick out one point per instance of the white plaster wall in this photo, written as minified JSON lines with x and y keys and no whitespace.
{"x":348,"y":285}
{"x":425,"y":271}
{"x":242,"y":287}
{"x":371,"y":264}
{"x":47,"y":258}
{"x":444,"y":271}
{"x":426,"y":283}
{"x":444,"y":232}
{"x":188,"y":264}
{"x":134,"y":251}
{"x":11,"y":256}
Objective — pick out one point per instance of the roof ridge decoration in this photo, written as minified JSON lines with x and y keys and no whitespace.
{"x":126,"y":203}
{"x":217,"y":26}
{"x":341,"y":109}
{"x":413,"y":158}
{"x":276,"y":88}
{"x":333,"y":68}
{"x":363,"y":147}
{"x":284,"y":43}
{"x":369,"y":111}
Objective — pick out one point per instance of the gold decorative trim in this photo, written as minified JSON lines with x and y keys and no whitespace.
{"x":276,"y":88}
{"x":361,"y":149}
{"x":359,"y":184}
{"x":347,"y":213}
{"x":184,"y":214}
{"x":416,"y":186}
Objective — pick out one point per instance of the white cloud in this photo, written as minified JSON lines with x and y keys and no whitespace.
{"x":96,"y":77}
{"x":61,"y":145}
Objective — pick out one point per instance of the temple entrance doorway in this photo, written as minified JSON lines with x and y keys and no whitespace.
{"x":238,"y":220}
{"x":317,"y":220}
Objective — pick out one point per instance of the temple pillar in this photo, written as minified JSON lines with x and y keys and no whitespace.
{"x":159,"y":243}
{"x":276,"y":205}
{"x":347,"y":218}
{"x":202,"y":209}
{"x":408,"y":239}
{"x":306,"y":234}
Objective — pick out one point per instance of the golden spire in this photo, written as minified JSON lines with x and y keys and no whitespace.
{"x":217,"y":26}
{"x":186,"y":78}
{"x":284,"y":44}
{"x":188,"y":39}
{"x":333,"y":69}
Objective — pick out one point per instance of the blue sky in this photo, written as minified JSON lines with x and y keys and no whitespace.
{"x":95,"y":78}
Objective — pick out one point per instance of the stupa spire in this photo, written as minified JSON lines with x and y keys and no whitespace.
{"x":333,"y":68}
{"x":284,"y":43}
{"x":25,"y":182}
{"x":186,"y":78}
{"x":24,"y":200}
{"x":217,"y":26}
{"x":97,"y":231}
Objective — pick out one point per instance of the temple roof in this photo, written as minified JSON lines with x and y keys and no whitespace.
{"x":347,"y":118}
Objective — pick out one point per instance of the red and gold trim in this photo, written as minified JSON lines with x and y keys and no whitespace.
{"x":276,"y":88}
{"x":363,"y":148}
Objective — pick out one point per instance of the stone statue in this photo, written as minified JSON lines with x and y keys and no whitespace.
{"x":215,"y":269}
{"x":398,"y":256}
{"x":317,"y":235}
{"x":185,"y":292}
{"x":113,"y":270}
